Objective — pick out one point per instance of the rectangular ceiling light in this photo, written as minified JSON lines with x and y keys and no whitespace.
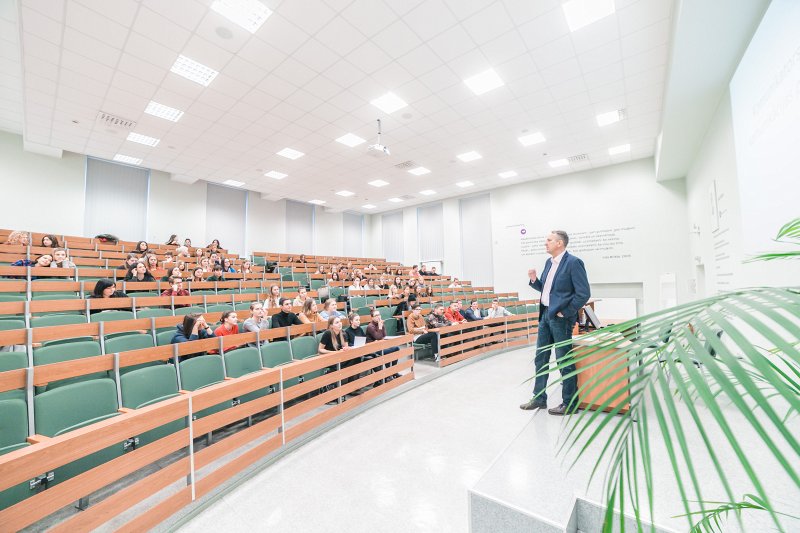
{"x":249,"y":14}
{"x":419,"y":171}
{"x":427,"y":192}
{"x":507,"y":174}
{"x":580,"y":13}
{"x":275,"y":175}
{"x":350,"y":140}
{"x":463,"y":184}
{"x":469,"y":156}
{"x":289,"y":153}
{"x":233,"y":183}
{"x":368,"y":206}
{"x":558,"y":163}
{"x":378,"y":183}
{"x":395,"y":200}
{"x":604,"y":119}
{"x":484,"y":82}
{"x":194,"y":71}
{"x":143,"y":139}
{"x":345,"y":193}
{"x":316,"y":202}
{"x":533,"y":138}
{"x":389,"y":103}
{"x":163,"y":111}
{"x":127,"y":159}
{"x":621,"y":149}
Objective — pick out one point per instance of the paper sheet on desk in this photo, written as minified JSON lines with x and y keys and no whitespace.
{"x":359,"y":341}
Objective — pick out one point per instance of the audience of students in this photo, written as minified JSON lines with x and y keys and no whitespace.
{"x":329,"y":310}
{"x":273,"y":300}
{"x":175,"y":287}
{"x":258,"y":320}
{"x":194,"y":327}
{"x":217,"y":274}
{"x":229,"y":325}
{"x":285,"y":317}
{"x":50,"y":241}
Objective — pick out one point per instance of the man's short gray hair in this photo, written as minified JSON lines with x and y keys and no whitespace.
{"x":562,"y":236}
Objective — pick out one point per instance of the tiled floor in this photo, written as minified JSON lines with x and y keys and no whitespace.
{"x":404,"y":465}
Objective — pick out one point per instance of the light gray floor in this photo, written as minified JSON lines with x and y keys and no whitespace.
{"x":404,"y":465}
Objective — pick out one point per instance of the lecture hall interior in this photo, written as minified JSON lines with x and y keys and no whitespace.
{"x":486,"y":266}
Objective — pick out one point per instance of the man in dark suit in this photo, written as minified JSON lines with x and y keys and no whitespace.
{"x":565,"y":290}
{"x":473,"y":313}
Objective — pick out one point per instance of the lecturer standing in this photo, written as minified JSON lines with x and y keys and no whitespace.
{"x":565,"y":290}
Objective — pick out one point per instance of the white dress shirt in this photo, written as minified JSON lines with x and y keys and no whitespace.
{"x":548,"y":283}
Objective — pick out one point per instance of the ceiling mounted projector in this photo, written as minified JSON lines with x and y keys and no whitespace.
{"x":378,"y":149}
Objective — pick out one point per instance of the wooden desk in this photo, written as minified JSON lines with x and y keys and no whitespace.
{"x":610,"y":372}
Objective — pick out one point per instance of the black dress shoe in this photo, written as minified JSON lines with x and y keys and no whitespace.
{"x":561,"y":410}
{"x":536,"y":403}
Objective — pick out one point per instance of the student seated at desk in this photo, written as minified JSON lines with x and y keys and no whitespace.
{"x":473,"y":313}
{"x":497,"y":310}
{"x":217,"y":275}
{"x":229,"y":325}
{"x":194,"y":327}
{"x":285,"y":317}
{"x":258,"y":321}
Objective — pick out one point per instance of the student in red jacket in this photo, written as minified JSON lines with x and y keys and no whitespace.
{"x":229,"y":326}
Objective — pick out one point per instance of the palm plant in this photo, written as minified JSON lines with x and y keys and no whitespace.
{"x":698,"y":370}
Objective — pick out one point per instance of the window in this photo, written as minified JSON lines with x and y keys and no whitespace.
{"x":116,"y":199}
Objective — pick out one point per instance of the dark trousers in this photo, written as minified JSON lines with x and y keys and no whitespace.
{"x":429,"y":338}
{"x":553,"y":330}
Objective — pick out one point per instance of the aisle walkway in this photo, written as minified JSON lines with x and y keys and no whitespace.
{"x":403,"y":466}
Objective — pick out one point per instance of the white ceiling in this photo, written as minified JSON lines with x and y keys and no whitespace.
{"x":306,"y":78}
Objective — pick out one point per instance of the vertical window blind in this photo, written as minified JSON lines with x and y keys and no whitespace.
{"x":226,"y":216}
{"x":299,"y":227}
{"x":353,"y":234}
{"x":430,"y":233}
{"x":116,"y":199}
{"x":392,"y":233}
{"x":476,"y":240}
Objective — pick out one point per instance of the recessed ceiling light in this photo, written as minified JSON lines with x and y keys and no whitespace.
{"x":484,"y":82}
{"x":558,"y":163}
{"x":604,"y":119}
{"x":533,"y":138}
{"x":316,"y":202}
{"x":345,"y":193}
{"x":127,"y":159}
{"x":463,"y":184}
{"x":621,"y":149}
{"x":507,"y":174}
{"x":350,"y":140}
{"x":419,"y":171}
{"x":378,"y":183}
{"x":275,"y":174}
{"x":249,"y":14}
{"x":469,"y":156}
{"x":581,"y":13}
{"x":233,"y":183}
{"x":193,"y":71}
{"x":163,"y":111}
{"x":368,"y":206}
{"x":427,"y":192}
{"x":395,"y":200}
{"x":389,"y":103}
{"x":143,"y":139}
{"x":290,"y":153}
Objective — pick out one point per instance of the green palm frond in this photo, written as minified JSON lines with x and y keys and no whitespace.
{"x":684,"y":382}
{"x":711,"y":520}
{"x":789,"y":233}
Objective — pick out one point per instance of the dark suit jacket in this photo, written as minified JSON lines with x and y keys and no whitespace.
{"x":570,"y":290}
{"x":470,"y":316}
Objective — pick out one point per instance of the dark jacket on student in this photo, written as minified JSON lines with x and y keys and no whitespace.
{"x":180,"y":335}
{"x":284,"y":319}
{"x":351,"y":333}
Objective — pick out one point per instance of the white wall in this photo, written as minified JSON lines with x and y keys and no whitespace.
{"x":623,"y":200}
{"x":716,"y":163}
{"x":40,"y":193}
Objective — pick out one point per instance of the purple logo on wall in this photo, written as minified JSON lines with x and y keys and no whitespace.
{"x":523,"y":231}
